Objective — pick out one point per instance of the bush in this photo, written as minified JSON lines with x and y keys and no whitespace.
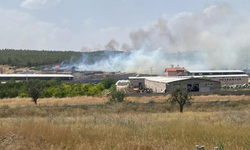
{"x":22,"y":95}
{"x":117,"y":96}
{"x":107,"y":83}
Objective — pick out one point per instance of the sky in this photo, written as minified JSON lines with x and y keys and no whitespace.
{"x":148,"y":29}
{"x":88,"y":25}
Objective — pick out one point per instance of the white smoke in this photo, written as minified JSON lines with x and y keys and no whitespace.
{"x":219,"y":35}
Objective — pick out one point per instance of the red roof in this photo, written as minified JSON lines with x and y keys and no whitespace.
{"x":175,"y":69}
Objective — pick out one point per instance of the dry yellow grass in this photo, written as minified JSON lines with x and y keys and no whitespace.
{"x":202,"y":98}
{"x":54,"y":125}
{"x":78,"y":100}
{"x":129,"y":131}
{"x":81,"y":100}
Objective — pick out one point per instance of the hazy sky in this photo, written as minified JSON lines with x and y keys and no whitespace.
{"x":104,"y":24}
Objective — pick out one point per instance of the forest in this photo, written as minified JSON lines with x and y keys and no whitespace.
{"x":39,"y":58}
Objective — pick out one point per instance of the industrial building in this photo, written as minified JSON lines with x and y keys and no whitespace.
{"x":168,"y":84}
{"x":226,"y":77}
{"x":214,"y":72}
{"x":20,"y":77}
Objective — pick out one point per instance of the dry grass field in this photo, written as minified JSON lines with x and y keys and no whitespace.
{"x":89,"y":100}
{"x":144,"y":123}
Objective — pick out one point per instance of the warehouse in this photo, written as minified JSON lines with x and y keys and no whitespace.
{"x":20,"y":77}
{"x":168,"y":84}
{"x":226,"y":77}
{"x":215,"y":72}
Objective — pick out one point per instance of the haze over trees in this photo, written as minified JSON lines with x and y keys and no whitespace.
{"x":35,"y":58}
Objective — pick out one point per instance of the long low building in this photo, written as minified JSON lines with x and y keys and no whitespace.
{"x":214,"y":72}
{"x":168,"y":84}
{"x":20,"y":77}
{"x":226,"y":77}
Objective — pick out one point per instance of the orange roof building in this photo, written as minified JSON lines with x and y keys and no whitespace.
{"x":177,"y":71}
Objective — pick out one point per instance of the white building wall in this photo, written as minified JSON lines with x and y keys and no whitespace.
{"x":157,"y":87}
{"x":231,"y":80}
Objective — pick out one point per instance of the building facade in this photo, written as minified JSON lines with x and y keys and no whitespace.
{"x":226,"y":77}
{"x":20,"y":77}
{"x":168,"y":84}
{"x":175,"y":71}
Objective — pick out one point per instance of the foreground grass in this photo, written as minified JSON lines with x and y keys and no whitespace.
{"x":128,"y":131}
{"x":125,"y":126}
{"x":88,"y":100}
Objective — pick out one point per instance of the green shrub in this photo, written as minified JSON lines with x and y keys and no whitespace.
{"x":107,"y":83}
{"x":117,"y":96}
{"x":22,"y":95}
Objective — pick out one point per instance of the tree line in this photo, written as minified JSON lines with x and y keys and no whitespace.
{"x":53,"y":88}
{"x":34,"y":58}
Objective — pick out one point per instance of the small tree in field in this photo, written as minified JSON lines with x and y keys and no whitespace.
{"x":117,"y":96}
{"x":180,"y":96}
{"x":35,"y":87}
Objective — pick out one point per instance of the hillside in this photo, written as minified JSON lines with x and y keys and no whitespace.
{"x":35,"y":58}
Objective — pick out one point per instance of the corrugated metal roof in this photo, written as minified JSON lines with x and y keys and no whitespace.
{"x":221,"y":76}
{"x":167,"y":79}
{"x":35,"y":75}
{"x":215,"y":71}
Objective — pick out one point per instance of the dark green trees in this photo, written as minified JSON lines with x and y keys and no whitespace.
{"x":108,"y":82}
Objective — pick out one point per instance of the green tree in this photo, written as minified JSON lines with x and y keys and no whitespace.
{"x":180,"y":96}
{"x":35,"y":88}
{"x":108,"y":82}
{"x":55,"y":81}
{"x":9,"y":61}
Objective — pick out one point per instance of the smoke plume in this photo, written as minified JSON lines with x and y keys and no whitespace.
{"x":216,"y":38}
{"x":112,"y":45}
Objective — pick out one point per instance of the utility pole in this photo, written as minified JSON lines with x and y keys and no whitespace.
{"x":151,"y":68}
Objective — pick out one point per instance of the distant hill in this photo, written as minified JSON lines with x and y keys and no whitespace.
{"x":35,"y":58}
